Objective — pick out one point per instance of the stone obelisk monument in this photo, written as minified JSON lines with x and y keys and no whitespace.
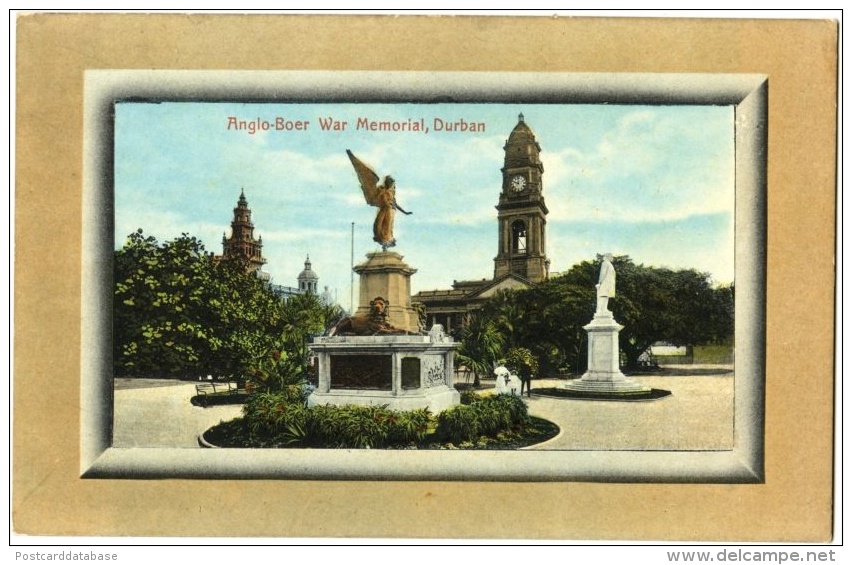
{"x":603,"y":375}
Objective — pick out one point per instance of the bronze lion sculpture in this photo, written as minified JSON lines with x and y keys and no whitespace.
{"x":374,"y":323}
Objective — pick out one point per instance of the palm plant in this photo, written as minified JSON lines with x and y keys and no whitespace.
{"x":481,"y":343}
{"x":508,"y":316}
{"x":303,"y":316}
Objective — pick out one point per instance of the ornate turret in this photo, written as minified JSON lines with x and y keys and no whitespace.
{"x":242,"y":245}
{"x":522,"y":149}
{"x":308,"y":278}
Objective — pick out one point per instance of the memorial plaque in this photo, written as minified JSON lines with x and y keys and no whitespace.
{"x":410,"y":373}
{"x":434,"y":372}
{"x":368,"y":372}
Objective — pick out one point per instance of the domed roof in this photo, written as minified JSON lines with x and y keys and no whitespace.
{"x":521,"y":133}
{"x":308,"y":274}
{"x":522,"y":149}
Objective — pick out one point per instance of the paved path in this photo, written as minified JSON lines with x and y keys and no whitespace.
{"x":157,"y":413}
{"x":697,"y":416}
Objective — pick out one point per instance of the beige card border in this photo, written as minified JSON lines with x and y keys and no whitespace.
{"x":794,"y":503}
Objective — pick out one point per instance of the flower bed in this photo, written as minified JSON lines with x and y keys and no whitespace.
{"x":282,"y":420}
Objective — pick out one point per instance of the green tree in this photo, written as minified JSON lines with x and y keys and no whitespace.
{"x":506,"y":310}
{"x":481,"y":343}
{"x":653,"y":304}
{"x":246,"y":320}
{"x":161,"y":292}
{"x":547,"y":319}
{"x":332,"y":314}
{"x":555,"y":336}
{"x":521,"y":360}
{"x":305,"y":316}
{"x":179,"y":313}
{"x":680,"y":307}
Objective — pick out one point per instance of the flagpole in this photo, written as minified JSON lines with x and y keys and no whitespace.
{"x":352,"y":271}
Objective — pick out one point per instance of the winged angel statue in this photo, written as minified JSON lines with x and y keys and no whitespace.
{"x":381,"y":195}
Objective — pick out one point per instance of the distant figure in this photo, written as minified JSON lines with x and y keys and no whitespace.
{"x":525,"y":376}
{"x":606,"y":285}
{"x":501,"y":375}
{"x":514,"y":384}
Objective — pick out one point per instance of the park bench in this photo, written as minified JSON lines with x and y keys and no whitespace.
{"x":203,"y":389}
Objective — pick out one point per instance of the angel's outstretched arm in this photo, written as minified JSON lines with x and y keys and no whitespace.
{"x":398,"y":207}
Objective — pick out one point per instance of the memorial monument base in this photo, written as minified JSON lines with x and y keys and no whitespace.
{"x":385,"y":274}
{"x":402,"y":372}
{"x":603,"y":378}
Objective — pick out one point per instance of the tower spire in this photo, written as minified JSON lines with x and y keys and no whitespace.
{"x":242,"y":244}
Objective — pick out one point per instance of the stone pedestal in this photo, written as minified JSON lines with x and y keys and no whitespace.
{"x":385,"y":274}
{"x":603,"y":374}
{"x":403,"y":372}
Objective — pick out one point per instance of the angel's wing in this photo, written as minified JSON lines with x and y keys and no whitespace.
{"x":368,"y":178}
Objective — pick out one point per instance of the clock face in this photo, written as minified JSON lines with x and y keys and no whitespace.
{"x":518,"y":183}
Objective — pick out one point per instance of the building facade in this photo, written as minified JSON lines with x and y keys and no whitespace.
{"x":242,"y":246}
{"x":307,"y":281}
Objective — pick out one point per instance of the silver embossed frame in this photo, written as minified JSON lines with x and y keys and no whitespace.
{"x":744,"y":463}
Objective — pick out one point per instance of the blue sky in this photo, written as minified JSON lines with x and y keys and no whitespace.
{"x":652,"y":182}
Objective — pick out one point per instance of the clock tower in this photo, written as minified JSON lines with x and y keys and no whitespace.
{"x":521,"y":212}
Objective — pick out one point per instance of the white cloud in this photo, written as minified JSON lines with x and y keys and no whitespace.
{"x":648,"y":168}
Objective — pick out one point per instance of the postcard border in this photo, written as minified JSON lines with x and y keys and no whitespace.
{"x":748,"y":93}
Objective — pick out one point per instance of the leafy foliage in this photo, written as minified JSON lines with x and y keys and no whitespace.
{"x":520,"y":360}
{"x":468,"y":396}
{"x":481,"y":342}
{"x":681,"y":307}
{"x":458,"y":424}
{"x":178,"y":312}
{"x":485,"y":416}
{"x":163,"y":297}
{"x":282,"y":419}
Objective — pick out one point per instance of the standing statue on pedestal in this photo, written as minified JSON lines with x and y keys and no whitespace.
{"x":381,"y":195}
{"x":603,"y":379}
{"x":606,"y":285}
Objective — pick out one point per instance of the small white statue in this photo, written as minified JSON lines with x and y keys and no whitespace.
{"x":606,"y":285}
{"x":437,"y":334}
